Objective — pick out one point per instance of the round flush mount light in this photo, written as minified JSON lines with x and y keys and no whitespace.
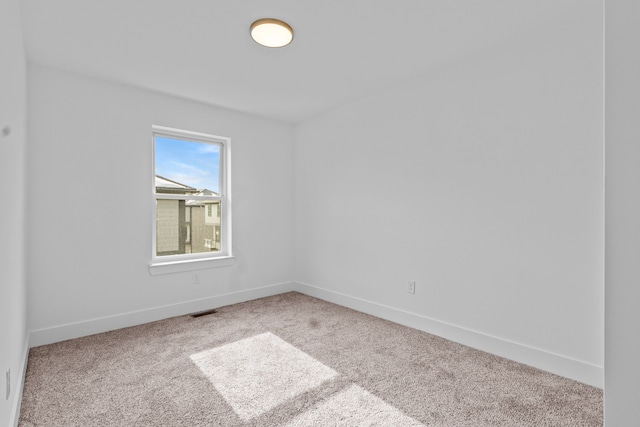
{"x":271,"y":32}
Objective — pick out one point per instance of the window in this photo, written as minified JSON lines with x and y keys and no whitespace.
{"x":190,"y":186}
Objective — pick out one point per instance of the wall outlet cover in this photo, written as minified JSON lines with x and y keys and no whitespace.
{"x":411,"y":287}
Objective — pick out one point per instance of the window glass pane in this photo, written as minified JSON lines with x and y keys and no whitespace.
{"x":186,"y":167}
{"x":183,"y":227}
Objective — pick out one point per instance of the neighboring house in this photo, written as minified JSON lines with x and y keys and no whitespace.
{"x":204,"y":224}
{"x":185,"y":226}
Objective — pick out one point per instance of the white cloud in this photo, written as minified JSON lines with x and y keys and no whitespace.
{"x":208,"y":148}
{"x":190,"y":168}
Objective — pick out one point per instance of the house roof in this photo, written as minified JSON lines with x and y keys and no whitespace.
{"x":169,"y":186}
{"x":203,"y":192}
{"x":166,"y":183}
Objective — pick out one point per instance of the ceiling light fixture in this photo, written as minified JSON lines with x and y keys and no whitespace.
{"x":271,"y":32}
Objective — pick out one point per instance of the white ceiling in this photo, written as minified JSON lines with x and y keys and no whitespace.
{"x":201,"y":49}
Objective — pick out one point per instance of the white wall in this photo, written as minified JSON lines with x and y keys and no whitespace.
{"x":482,"y":181}
{"x":90,"y":205}
{"x":622,"y":106}
{"x":13,"y":113}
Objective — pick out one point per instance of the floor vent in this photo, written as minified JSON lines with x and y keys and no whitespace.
{"x":203,"y":313}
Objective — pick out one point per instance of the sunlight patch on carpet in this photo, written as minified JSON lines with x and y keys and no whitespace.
{"x":353,"y":406}
{"x":256,"y":374}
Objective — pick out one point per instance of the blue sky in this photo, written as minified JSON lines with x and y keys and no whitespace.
{"x":196,"y":164}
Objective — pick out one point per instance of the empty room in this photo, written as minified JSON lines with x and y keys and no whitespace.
{"x":288,"y":213}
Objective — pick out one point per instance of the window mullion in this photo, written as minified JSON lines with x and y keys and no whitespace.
{"x":186,"y":197}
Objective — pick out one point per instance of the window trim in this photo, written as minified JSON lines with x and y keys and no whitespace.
{"x":186,"y":262}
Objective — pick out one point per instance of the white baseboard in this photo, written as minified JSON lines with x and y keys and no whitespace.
{"x":555,"y":363}
{"x":558,"y":364}
{"x":109,"y":323}
{"x":17,"y":396}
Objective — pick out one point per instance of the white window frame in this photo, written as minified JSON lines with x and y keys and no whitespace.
{"x":187,"y":262}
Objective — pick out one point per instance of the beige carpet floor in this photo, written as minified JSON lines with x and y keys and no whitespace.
{"x":290,"y":360}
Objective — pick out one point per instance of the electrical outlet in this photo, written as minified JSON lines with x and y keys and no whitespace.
{"x":8,"y":383}
{"x":411,"y":287}
{"x":195,"y":279}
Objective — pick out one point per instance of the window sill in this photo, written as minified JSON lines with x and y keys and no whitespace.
{"x":189,"y":265}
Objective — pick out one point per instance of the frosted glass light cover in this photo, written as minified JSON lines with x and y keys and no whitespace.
{"x":271,"y":32}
